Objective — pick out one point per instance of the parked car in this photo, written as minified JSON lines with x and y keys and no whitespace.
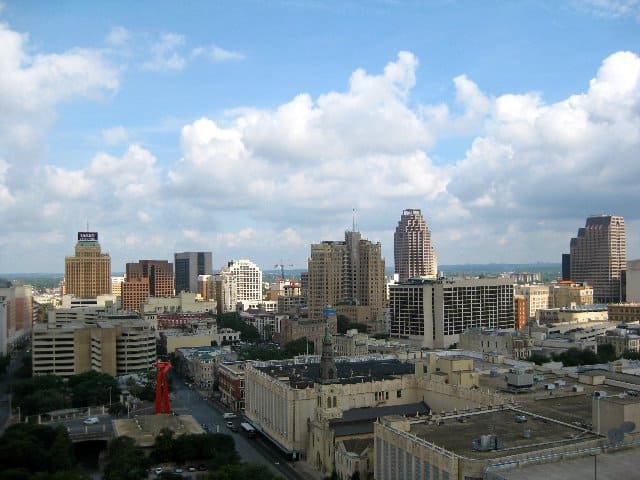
{"x":229,"y":415}
{"x":91,"y":421}
{"x":158,"y":470}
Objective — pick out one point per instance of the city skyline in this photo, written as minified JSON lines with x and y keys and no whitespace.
{"x":253,"y":130}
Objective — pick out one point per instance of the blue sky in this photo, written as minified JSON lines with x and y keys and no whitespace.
{"x":252,"y":129}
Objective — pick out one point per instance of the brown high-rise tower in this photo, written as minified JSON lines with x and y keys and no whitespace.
{"x":88,"y":273}
{"x":414,"y":255}
{"x":599,"y":255}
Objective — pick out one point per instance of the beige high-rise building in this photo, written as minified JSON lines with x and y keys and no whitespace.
{"x":88,"y":273}
{"x":414,"y":255}
{"x":598,"y":255}
{"x":347,"y":275}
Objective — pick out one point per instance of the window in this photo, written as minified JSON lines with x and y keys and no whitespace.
{"x":399,"y":393}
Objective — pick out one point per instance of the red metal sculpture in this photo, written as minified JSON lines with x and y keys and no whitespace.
{"x":162,"y":388}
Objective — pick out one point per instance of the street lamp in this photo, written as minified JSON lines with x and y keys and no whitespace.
{"x":109,"y":395}
{"x":595,"y":465}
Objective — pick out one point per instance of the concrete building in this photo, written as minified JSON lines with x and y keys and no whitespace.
{"x":536,"y":297}
{"x":581,"y":314}
{"x":348,"y":276}
{"x":182,"y":302}
{"x":308,"y":406}
{"x":624,"y":312}
{"x":144,"y":279}
{"x":433,"y":313}
{"x":509,"y":344}
{"x":226,"y":291}
{"x":633,"y":281}
{"x":567,"y":294}
{"x":598,"y":255}
{"x":16,"y":315}
{"x":621,"y":339}
{"x":200,"y":363}
{"x":414,"y":254}
{"x":520,"y":311}
{"x":291,"y":304}
{"x":466,"y":445}
{"x":188,"y":265}
{"x":351,"y":344}
{"x":268,"y":324}
{"x":88,"y":273}
{"x":116,"y":285}
{"x":248,"y":281}
{"x":116,"y":347}
{"x":294,"y":328}
{"x":231,"y":385}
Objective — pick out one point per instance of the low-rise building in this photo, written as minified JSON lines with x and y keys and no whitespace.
{"x":510,"y":344}
{"x":568,"y":294}
{"x":267,"y":323}
{"x":468,"y":444}
{"x":624,"y":312}
{"x":576,"y":314}
{"x":231,"y":385}
{"x":200,"y":363}
{"x":181,"y":303}
{"x":621,"y":339}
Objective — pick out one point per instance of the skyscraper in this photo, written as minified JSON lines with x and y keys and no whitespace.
{"x":347,"y":275}
{"x":88,"y":273}
{"x":144,"y":279}
{"x":414,"y":255}
{"x":598,"y":255}
{"x":188,"y":265}
{"x":248,"y":280}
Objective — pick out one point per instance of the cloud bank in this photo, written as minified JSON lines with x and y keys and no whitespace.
{"x":265,"y":183}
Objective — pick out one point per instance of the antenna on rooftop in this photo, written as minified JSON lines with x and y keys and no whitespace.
{"x":353,"y":228}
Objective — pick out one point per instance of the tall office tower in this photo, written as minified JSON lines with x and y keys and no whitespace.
{"x":226,"y":292}
{"x":599,"y":255}
{"x":347,"y":275}
{"x":414,"y":255}
{"x":188,"y":265}
{"x":433,"y":313}
{"x":88,"y":273}
{"x":633,"y":281}
{"x":248,"y":277}
{"x":16,"y":315}
{"x":147,"y":278}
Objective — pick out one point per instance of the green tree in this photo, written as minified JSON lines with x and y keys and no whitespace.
{"x":163,"y":447}
{"x":248,"y":333}
{"x":345,"y":324}
{"x":298,"y":347}
{"x":125,"y":461}
{"x":631,"y":355}
{"x":538,"y":358}
{"x":606,"y":353}
{"x":93,"y":388}
{"x":36,"y":448}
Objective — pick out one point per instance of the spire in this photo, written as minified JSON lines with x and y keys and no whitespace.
{"x":328,"y":371}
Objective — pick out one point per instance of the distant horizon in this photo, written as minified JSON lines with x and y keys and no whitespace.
{"x":387,"y":269}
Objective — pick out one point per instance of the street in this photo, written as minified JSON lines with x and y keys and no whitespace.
{"x":256,"y":450}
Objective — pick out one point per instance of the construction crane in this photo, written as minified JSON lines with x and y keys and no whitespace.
{"x":281,"y":267}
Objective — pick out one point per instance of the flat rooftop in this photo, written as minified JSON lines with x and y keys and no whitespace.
{"x":457,"y":433}
{"x":304,"y":375}
{"x":561,"y":403}
{"x":145,"y":428}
